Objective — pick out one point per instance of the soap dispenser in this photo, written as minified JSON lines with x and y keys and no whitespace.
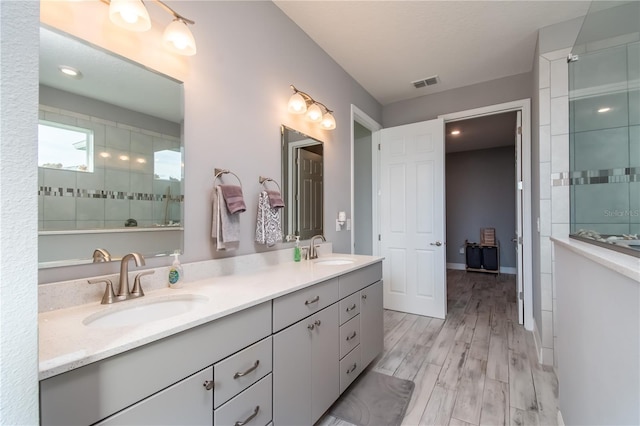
{"x":176,"y":277}
{"x":296,"y":250}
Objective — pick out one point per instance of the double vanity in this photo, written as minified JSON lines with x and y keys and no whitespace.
{"x":275,"y":344}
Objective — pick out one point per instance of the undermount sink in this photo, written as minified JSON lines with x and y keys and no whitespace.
{"x":145,"y":311}
{"x":333,"y":262}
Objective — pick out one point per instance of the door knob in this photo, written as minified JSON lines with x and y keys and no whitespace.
{"x":437,"y":243}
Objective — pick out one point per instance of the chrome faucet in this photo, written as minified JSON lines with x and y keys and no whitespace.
{"x":101,"y":255}
{"x":123,"y":286}
{"x":313,"y":253}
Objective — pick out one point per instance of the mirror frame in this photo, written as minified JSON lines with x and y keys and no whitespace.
{"x":287,"y":184}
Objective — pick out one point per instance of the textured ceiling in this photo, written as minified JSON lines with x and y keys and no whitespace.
{"x":385,"y":45}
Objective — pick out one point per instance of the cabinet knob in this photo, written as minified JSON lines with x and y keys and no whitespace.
{"x":352,"y":307}
{"x":352,"y":368}
{"x":352,"y":336}
{"x":311,"y":326}
{"x":364,"y":296}
{"x":248,"y":419}
{"x":317,"y":323}
{"x":208,"y":384}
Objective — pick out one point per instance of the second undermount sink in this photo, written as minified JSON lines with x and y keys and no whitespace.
{"x":333,"y":261}
{"x":144,"y":311}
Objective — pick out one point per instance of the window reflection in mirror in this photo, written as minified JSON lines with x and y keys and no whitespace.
{"x":302,"y":177}
{"x":110,"y":155}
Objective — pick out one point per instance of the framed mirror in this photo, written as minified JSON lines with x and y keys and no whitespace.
{"x":303,"y":182}
{"x":110,"y":155}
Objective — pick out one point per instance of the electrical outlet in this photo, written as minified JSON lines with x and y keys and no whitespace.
{"x":461,"y":250}
{"x":338,"y":226}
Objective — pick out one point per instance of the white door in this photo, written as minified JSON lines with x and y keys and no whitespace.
{"x":412,"y":227}
{"x":519,"y":212}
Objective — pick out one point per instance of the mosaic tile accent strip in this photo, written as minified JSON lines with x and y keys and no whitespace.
{"x":49,"y":191}
{"x":590,"y":177}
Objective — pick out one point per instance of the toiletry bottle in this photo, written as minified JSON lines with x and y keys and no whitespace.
{"x":175,"y":272}
{"x":296,"y":250}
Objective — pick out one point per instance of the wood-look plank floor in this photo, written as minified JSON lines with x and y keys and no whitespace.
{"x":478,"y":367}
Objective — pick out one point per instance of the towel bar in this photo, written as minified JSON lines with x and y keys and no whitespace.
{"x":220,"y":172}
{"x":263,"y":180}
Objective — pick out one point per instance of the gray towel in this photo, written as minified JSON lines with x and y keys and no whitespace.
{"x":268,"y":227}
{"x":225,"y":227}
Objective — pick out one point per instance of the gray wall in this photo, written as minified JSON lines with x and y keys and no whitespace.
{"x":236,"y":93}
{"x":475,"y":96}
{"x":362,"y":187}
{"x":480,"y":188}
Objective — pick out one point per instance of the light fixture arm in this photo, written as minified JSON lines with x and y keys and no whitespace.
{"x":307,"y":98}
{"x":166,"y":8}
{"x":174,"y":13}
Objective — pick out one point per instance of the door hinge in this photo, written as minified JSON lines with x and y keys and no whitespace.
{"x":521,"y":296}
{"x":519,"y":130}
{"x":378,"y":147}
{"x":379,"y":237}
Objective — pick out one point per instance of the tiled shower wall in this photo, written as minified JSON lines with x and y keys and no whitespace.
{"x":606,"y":145}
{"x":554,"y":193}
{"x":117,"y":189}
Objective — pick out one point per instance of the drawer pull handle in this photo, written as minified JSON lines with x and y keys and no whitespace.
{"x":248,"y":419}
{"x":352,"y":368}
{"x":314,"y":300}
{"x":311,"y":326}
{"x":317,"y":323}
{"x":208,"y":384}
{"x":351,"y":308}
{"x":353,"y":336}
{"x":253,"y":367}
{"x":364,"y":296}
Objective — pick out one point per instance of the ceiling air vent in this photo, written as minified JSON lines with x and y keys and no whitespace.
{"x":429,"y":81}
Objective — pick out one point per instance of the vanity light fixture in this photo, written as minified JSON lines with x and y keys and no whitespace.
{"x":605,"y":109}
{"x":133,"y":15}
{"x":316,"y":112}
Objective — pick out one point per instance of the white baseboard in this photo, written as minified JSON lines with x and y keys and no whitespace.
{"x":537,"y":340}
{"x":461,"y":267}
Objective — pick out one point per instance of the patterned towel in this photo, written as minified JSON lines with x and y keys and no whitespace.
{"x":268,"y":226}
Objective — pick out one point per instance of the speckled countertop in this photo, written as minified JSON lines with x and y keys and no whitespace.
{"x":65,"y":343}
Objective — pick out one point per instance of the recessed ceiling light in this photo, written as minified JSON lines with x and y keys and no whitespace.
{"x":455,"y":132}
{"x":105,"y":155}
{"x":141,"y":160}
{"x":605,"y":109}
{"x":124,"y":157}
{"x":70,"y":72}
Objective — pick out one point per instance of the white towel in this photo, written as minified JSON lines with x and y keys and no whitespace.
{"x":225,"y":227}
{"x":268,"y":226}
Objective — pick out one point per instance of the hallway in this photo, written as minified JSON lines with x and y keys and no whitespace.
{"x":476,"y":368}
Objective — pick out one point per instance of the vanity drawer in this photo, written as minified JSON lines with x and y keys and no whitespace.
{"x":349,"y":307}
{"x":359,"y":279}
{"x":302,"y":303}
{"x":350,"y":368}
{"x":349,"y":335}
{"x":239,"y":371}
{"x":255,"y":401}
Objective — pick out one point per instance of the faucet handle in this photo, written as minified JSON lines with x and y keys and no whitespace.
{"x":109,"y":296}
{"x":305,"y":252}
{"x":137,"y":288}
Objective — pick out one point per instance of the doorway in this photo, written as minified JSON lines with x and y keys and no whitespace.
{"x":522,"y":169}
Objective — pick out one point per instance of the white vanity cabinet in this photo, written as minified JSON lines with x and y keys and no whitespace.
{"x":371,"y":323}
{"x":153,"y":375}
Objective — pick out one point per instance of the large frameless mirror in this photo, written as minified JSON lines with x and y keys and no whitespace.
{"x":302,"y":184}
{"x":110,"y":155}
